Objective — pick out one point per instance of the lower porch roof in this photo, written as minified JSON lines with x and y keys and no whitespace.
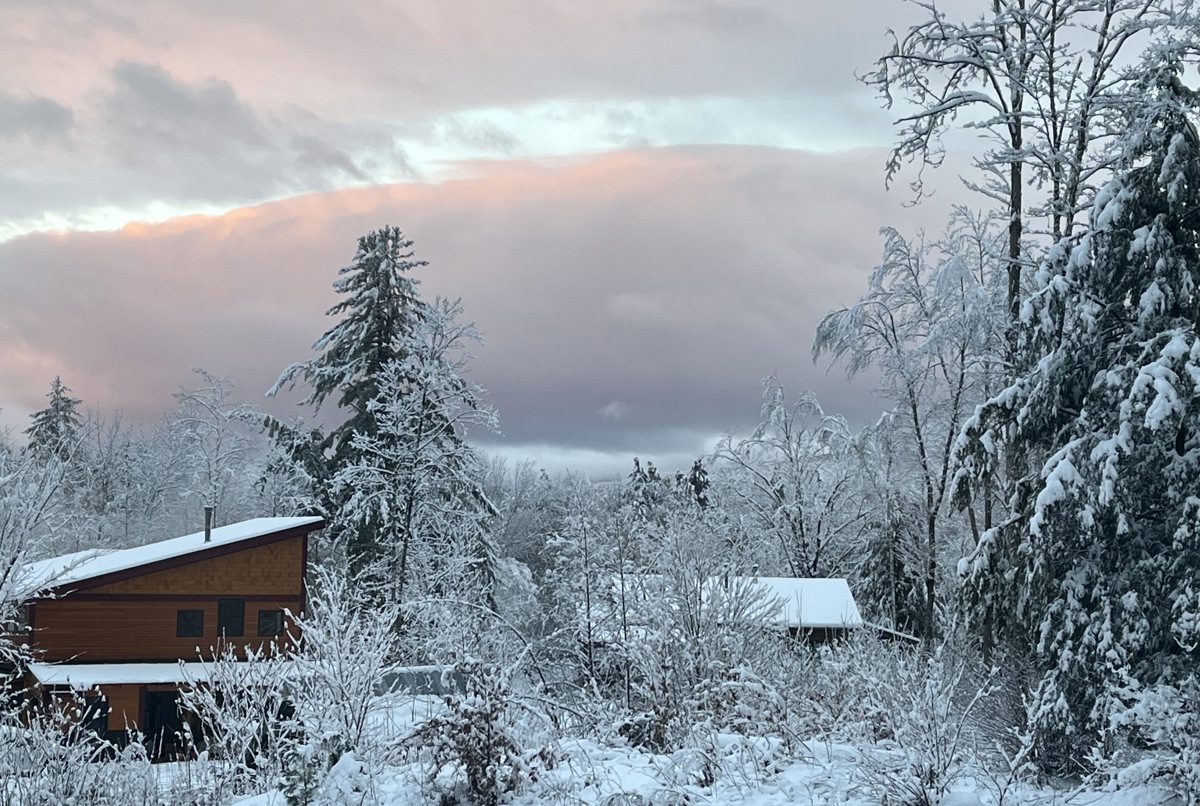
{"x":85,"y":676}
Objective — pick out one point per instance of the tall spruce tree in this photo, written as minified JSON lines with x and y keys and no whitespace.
{"x":412,"y":485}
{"x":390,"y":473}
{"x":377,"y":318}
{"x":1094,"y":576}
{"x":55,"y":429}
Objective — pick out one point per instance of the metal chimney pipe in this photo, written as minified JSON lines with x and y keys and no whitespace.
{"x":208,"y":520}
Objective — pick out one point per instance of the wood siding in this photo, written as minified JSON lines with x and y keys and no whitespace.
{"x":125,"y":706}
{"x":276,"y":568}
{"x":135,"y":619}
{"x":141,"y":630}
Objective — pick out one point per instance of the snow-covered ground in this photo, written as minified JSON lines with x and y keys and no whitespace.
{"x":587,"y":772}
{"x":718,"y":769}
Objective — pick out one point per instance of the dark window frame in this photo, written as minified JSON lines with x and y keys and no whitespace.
{"x":276,"y":625}
{"x":180,"y":618}
{"x":229,"y":625}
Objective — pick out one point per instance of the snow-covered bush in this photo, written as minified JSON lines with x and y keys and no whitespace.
{"x":287,"y":719}
{"x":839,"y":691}
{"x":349,"y":647}
{"x":51,"y":757}
{"x":929,"y":720}
{"x":1164,"y":722}
{"x":245,"y":715}
{"x":688,"y":646}
{"x":476,"y":738}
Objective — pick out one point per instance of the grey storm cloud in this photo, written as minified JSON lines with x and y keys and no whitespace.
{"x":431,"y":57}
{"x":721,"y":18}
{"x":152,"y":137}
{"x":33,"y":117}
{"x":201,"y":141}
{"x":148,"y":107}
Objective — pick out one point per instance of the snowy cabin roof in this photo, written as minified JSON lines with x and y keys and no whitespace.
{"x":811,"y":603}
{"x":86,"y":676}
{"x":791,"y":603}
{"x":80,"y":566}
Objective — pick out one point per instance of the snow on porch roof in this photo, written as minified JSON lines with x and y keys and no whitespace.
{"x":70,"y":569}
{"x":811,"y":603}
{"x":86,"y":676}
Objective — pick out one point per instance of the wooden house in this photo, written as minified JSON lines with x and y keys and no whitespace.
{"x":125,"y":629}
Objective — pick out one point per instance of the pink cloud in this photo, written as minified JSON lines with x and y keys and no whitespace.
{"x":721,"y":260}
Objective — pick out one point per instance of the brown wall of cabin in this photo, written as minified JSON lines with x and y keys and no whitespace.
{"x":276,"y":568}
{"x":124,"y":702}
{"x":125,"y":706}
{"x":95,"y":630}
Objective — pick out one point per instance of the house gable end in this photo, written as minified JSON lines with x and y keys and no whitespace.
{"x":110,"y":582}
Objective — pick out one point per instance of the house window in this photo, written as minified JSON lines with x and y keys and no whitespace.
{"x":189,"y":623}
{"x":270,"y":622}
{"x":231,"y":617}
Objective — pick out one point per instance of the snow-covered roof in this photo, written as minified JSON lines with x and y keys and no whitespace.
{"x":71,"y":569}
{"x":797,"y":603}
{"x":810,"y":603}
{"x":85,"y":676}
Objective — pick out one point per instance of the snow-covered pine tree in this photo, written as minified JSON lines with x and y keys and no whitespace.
{"x":398,"y":474}
{"x":1094,"y":576}
{"x":55,"y":429}
{"x":377,"y":318}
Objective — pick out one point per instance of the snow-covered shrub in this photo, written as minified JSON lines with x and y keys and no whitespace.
{"x":349,"y":647}
{"x":738,"y":700}
{"x":349,"y":783}
{"x":692,"y":654}
{"x":929,"y":721}
{"x":245,"y":717}
{"x":710,"y":757}
{"x":475,"y":737}
{"x":50,"y":757}
{"x":1164,"y":722}
{"x":840,"y":691}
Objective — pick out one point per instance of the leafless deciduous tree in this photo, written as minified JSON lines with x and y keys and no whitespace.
{"x":1046,"y":83}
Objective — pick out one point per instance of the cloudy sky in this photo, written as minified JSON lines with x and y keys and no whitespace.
{"x":645,"y":205}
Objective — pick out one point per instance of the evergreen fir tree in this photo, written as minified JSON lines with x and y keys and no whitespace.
{"x":411,"y":489}
{"x":1095,"y":575}
{"x":55,"y":428}
{"x":397,"y":472}
{"x":377,"y":319}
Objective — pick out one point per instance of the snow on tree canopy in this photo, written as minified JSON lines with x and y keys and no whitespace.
{"x":1096,"y":567}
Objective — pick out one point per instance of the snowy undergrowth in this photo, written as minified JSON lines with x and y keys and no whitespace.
{"x":592,"y":773}
{"x":595,"y":766}
{"x":859,"y":723}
